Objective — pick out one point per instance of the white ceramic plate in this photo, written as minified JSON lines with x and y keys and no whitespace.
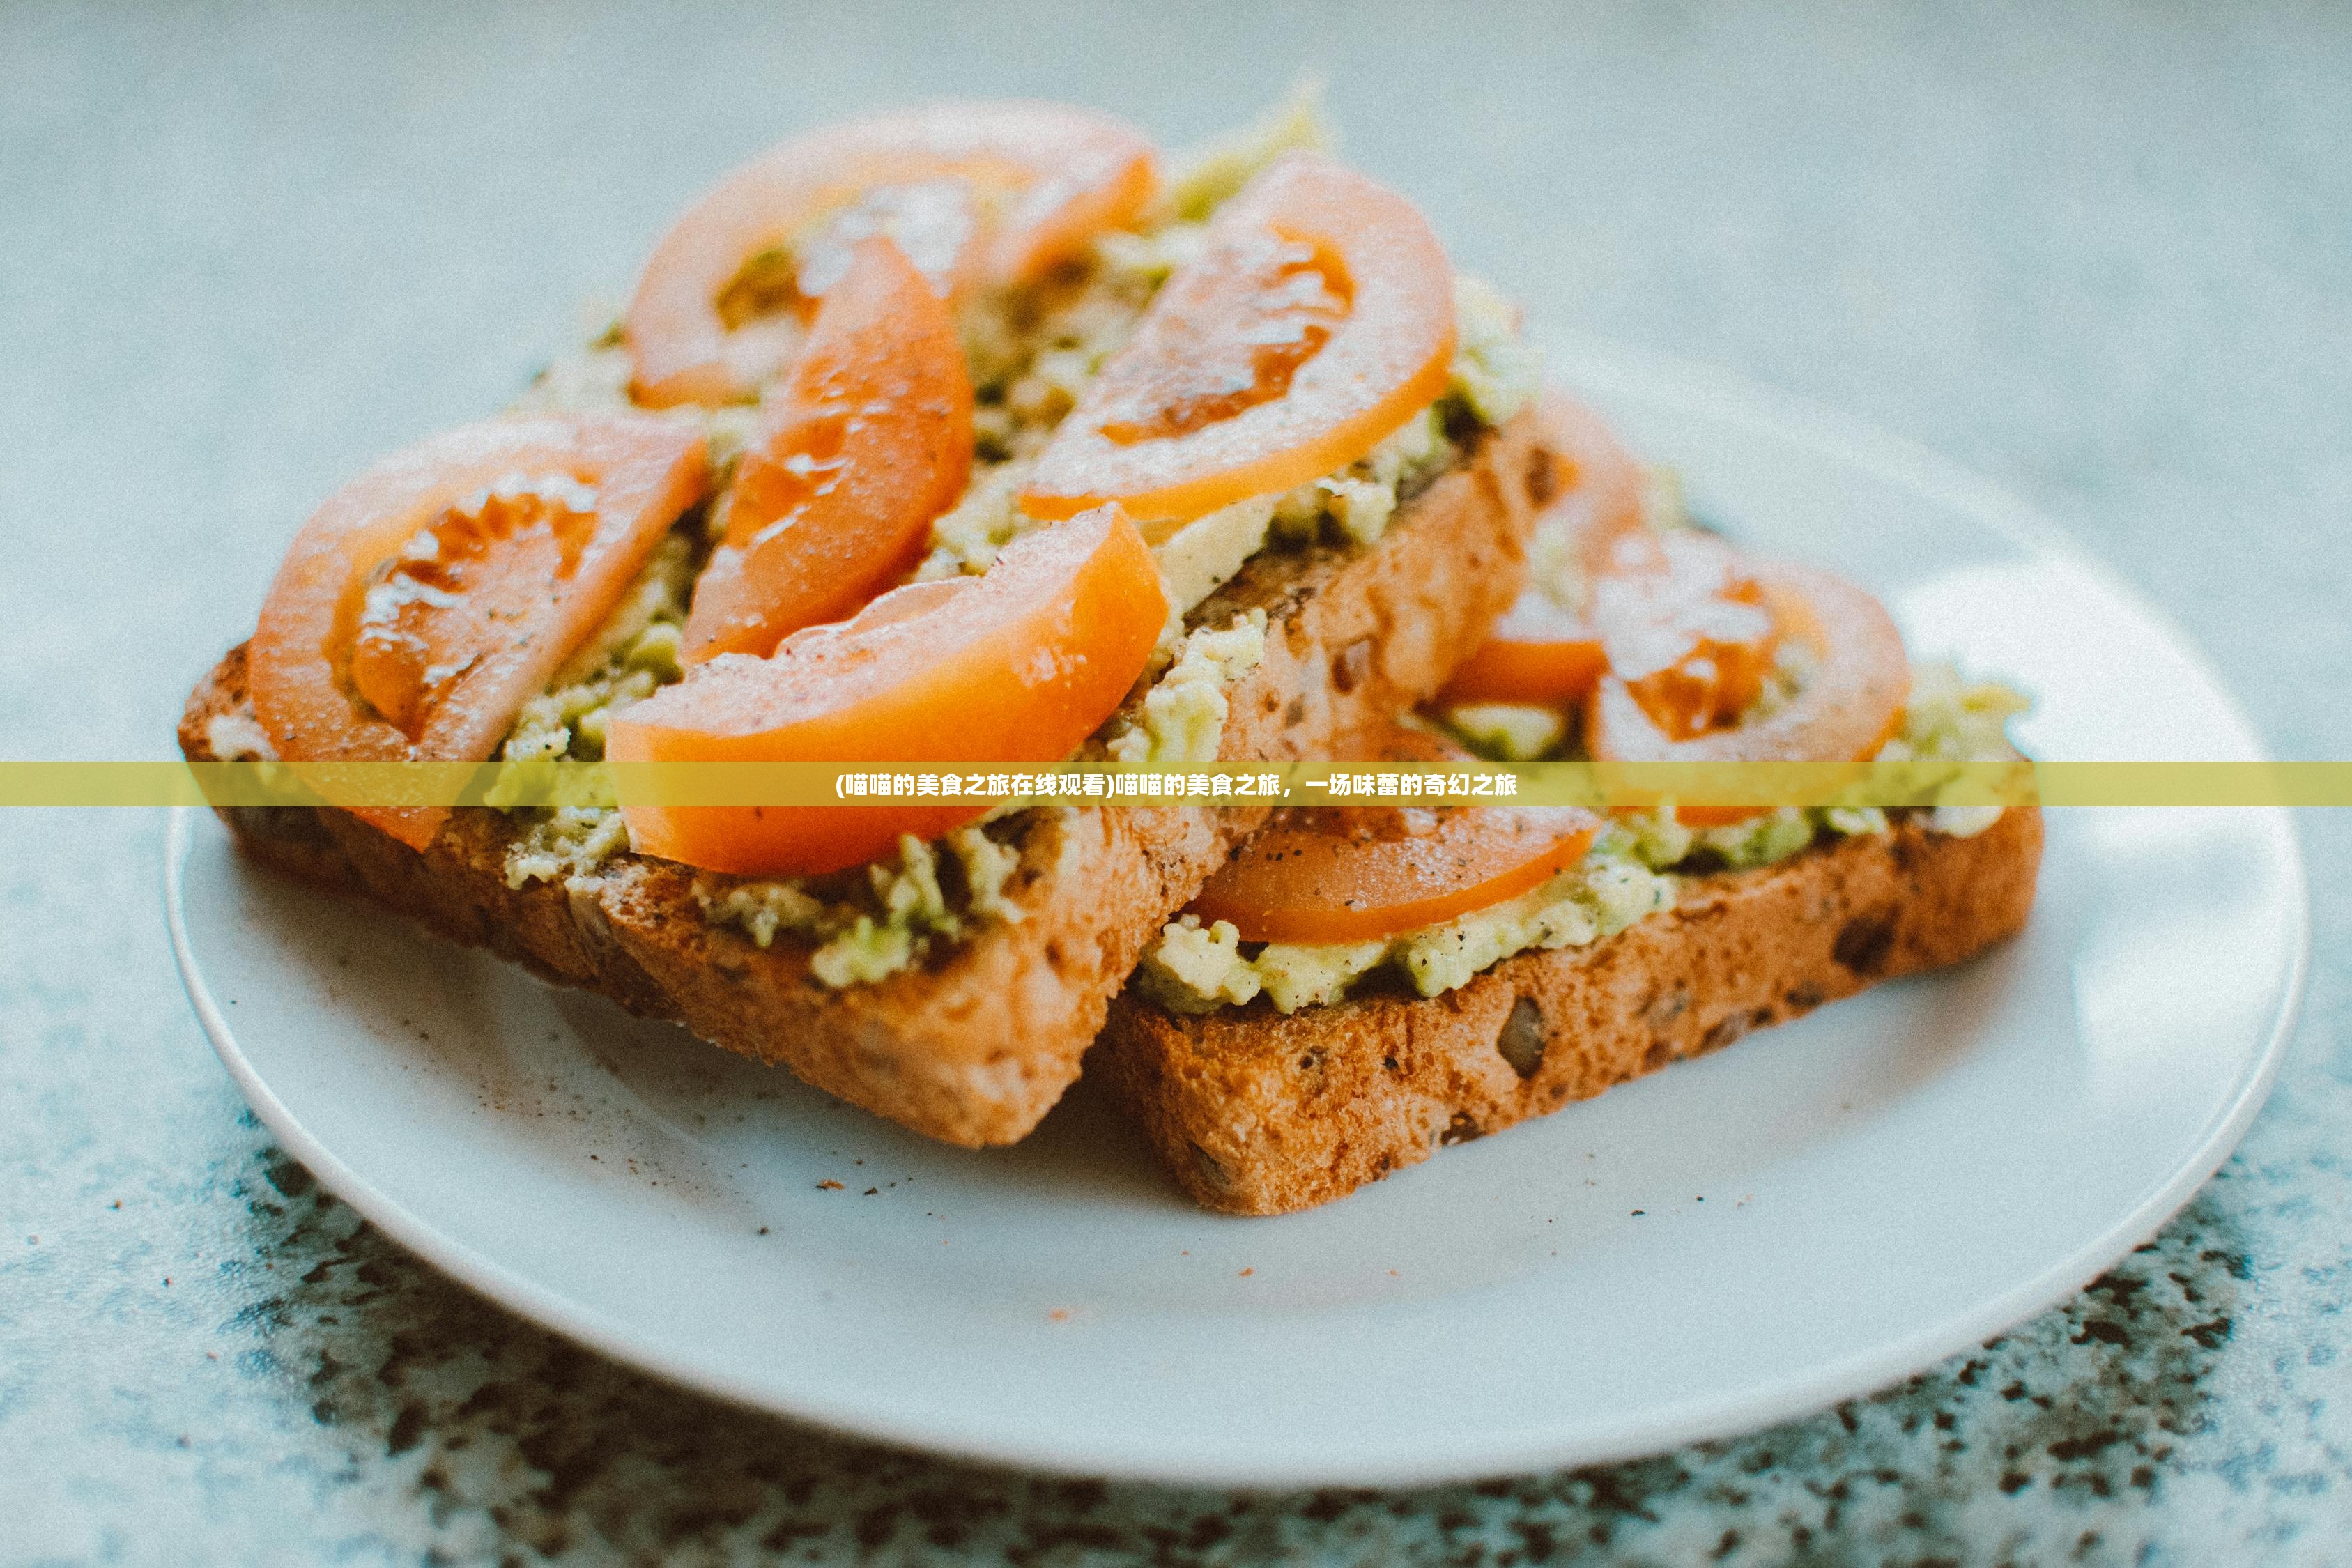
{"x":1825,"y":1209}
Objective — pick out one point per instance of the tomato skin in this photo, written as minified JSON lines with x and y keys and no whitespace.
{"x":1322,"y":874}
{"x":1687,"y":631}
{"x":1332,"y":874}
{"x":1018,"y":665}
{"x":1317,"y":318}
{"x":644,"y":472}
{"x":1538,"y":653}
{"x":872,"y":441}
{"x":1849,"y":707}
{"x":1600,"y":496}
{"x":1544,"y":652}
{"x":1009,"y":191}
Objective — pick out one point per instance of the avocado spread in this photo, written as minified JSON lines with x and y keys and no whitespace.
{"x":1195,"y":970}
{"x":1628,"y":873}
{"x":625,"y":661}
{"x":872,"y":926}
{"x":1184,"y":712}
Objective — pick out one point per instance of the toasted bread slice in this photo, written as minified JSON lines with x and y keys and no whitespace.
{"x":1256,"y":1113}
{"x":975,"y":1046}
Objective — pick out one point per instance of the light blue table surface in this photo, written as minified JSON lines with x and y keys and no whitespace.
{"x":2102,"y":254}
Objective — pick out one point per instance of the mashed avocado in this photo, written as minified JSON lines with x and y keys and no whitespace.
{"x":571,"y":842}
{"x":1497,"y":373}
{"x":1193,"y":970}
{"x":967,"y":538}
{"x":625,"y":661}
{"x":633,"y":654}
{"x":1184,"y":712}
{"x":1031,"y":354}
{"x":1202,"y":556}
{"x":594,"y":379}
{"x":1507,"y":732}
{"x":905,"y":906}
{"x":1214,"y":172}
{"x":1359,"y":500}
{"x":1627,"y":874}
{"x":1950,"y":719}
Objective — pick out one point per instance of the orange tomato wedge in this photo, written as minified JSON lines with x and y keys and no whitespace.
{"x":430,"y":597}
{"x":1537,"y":654}
{"x":872,"y":441}
{"x":977,"y":194}
{"x":1849,"y":705}
{"x":1360,"y":873}
{"x":1688,"y":633}
{"x":1018,"y":665}
{"x":1541,"y":651}
{"x":1318,"y":318}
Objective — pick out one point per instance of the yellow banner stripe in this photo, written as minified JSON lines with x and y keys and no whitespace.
{"x":1615,"y":785}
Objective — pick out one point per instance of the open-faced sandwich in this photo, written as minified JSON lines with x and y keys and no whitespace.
{"x":956,"y":435}
{"x":961,"y":436}
{"x":1360,"y":986}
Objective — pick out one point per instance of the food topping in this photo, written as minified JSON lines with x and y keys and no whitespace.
{"x":1198,"y":557}
{"x":872,"y":440}
{"x":861,"y":313}
{"x":868,"y":928}
{"x":1538,"y":653}
{"x":1320,"y":875}
{"x":1495,"y":372}
{"x":978,"y":196}
{"x":1689,"y":634}
{"x":1356,"y":873}
{"x":625,"y":660}
{"x":1318,"y":318}
{"x":1183,"y":715}
{"x":1843,"y":701}
{"x":427,"y":600}
{"x":1546,"y":650}
{"x":1508,"y":731}
{"x":433,"y":611}
{"x":1360,"y":499}
{"x":1193,"y":967}
{"x":1209,"y":175}
{"x":1240,"y":345}
{"x":1020,"y":665}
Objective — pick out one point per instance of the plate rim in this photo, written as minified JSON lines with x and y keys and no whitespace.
{"x":1705,"y":389}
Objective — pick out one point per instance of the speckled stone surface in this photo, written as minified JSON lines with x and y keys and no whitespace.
{"x":2104,"y":255}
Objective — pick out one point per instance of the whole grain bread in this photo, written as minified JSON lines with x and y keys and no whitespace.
{"x":974,"y":1046}
{"x":1256,"y":1113}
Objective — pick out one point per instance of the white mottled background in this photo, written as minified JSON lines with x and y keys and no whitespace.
{"x":2102,"y":253}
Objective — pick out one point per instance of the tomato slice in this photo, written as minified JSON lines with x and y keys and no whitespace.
{"x":1543,"y":651}
{"x":872,"y":441}
{"x":1688,"y":633}
{"x":1318,"y":318}
{"x":1359,"y":873}
{"x":430,"y":597}
{"x":1018,"y":665}
{"x":1848,"y":706}
{"x":977,"y":194}
{"x":1600,"y":495}
{"x":1538,"y":653}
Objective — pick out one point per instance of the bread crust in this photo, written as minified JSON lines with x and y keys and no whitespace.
{"x":973,"y":1048}
{"x":1258,"y":1113}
